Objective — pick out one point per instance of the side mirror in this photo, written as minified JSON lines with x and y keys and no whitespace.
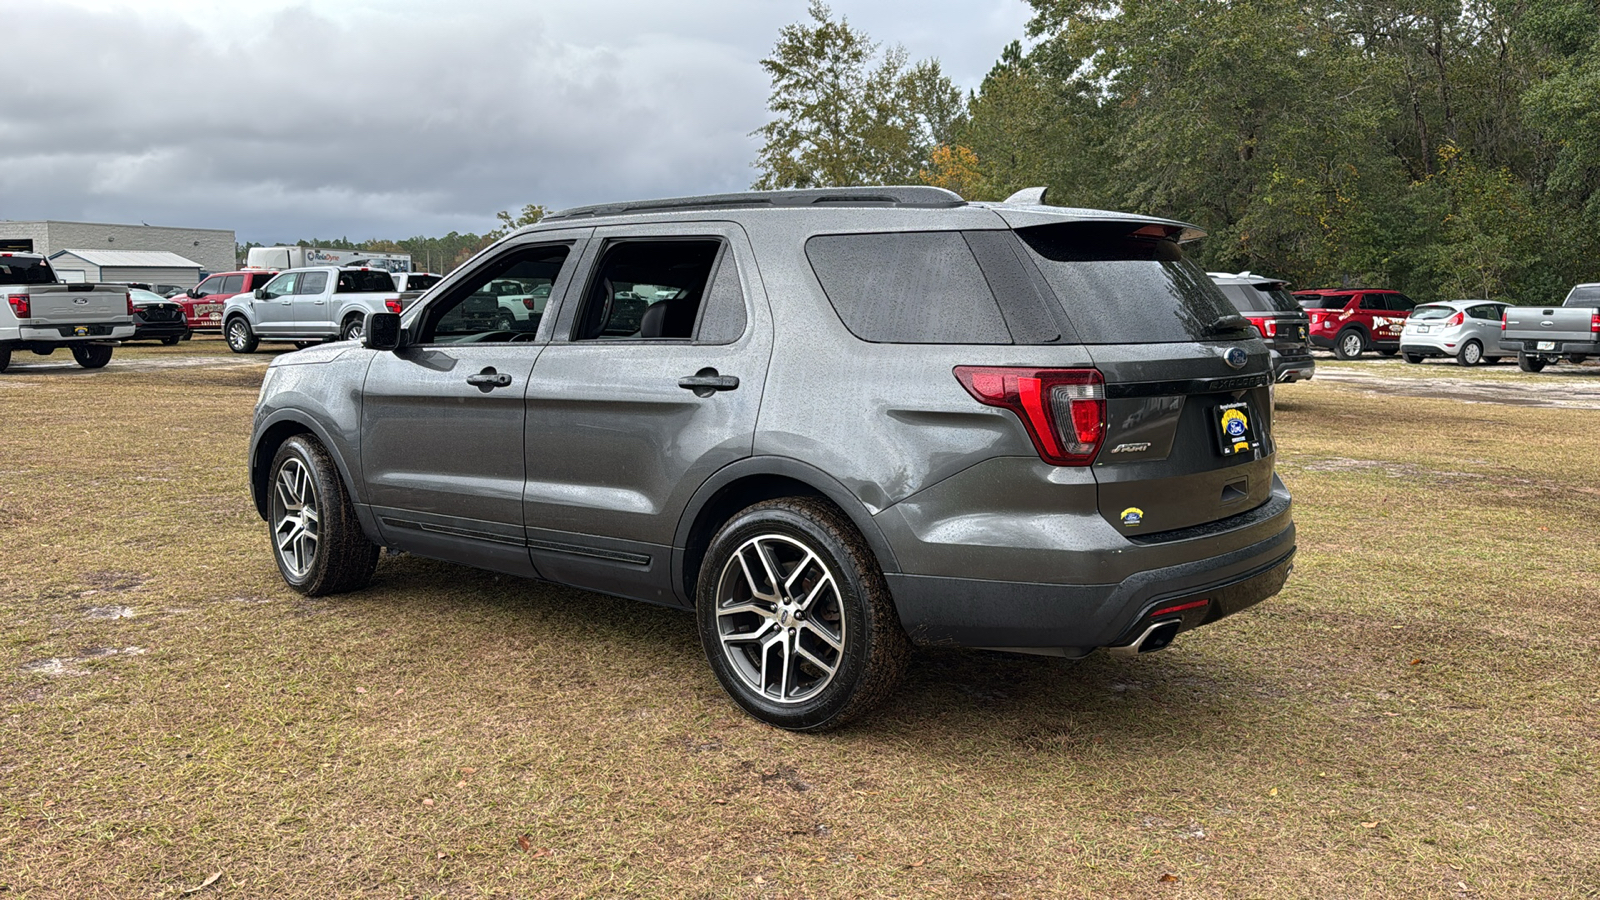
{"x":190,"y":293}
{"x":382,"y":331}
{"x":261,"y":294}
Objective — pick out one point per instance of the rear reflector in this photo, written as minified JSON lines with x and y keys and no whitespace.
{"x":1064,"y":410}
{"x":21,"y":306}
{"x":1168,"y":610}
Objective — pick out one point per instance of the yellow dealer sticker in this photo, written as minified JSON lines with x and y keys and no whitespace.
{"x":1133,"y":517}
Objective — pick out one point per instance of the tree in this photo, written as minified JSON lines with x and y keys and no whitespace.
{"x":844,"y":114}
{"x":531,"y":215}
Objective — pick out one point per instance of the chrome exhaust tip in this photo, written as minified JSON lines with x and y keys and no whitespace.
{"x":1156,"y":637}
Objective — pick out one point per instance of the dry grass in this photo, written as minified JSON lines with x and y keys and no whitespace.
{"x":1416,"y":716}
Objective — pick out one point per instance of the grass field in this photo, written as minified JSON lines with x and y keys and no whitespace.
{"x":1417,"y":715}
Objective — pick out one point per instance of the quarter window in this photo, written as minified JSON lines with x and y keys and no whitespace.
{"x":908,"y":288}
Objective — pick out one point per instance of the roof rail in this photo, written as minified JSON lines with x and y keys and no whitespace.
{"x":894,"y":196}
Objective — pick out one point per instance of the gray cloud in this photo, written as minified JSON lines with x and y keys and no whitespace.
{"x":392,"y":118}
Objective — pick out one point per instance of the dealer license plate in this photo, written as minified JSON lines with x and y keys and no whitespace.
{"x":1236,"y":429}
{"x":1423,"y":329}
{"x":1545,"y":345}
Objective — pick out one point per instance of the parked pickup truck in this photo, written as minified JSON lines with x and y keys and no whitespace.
{"x":1541,"y":335}
{"x":42,"y":314}
{"x":307,"y":306}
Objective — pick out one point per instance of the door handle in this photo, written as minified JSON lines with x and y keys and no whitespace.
{"x":706,"y":382}
{"x":489,"y":379}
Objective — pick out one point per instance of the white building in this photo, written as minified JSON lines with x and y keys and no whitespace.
{"x":150,"y":267}
{"x":212,"y":249}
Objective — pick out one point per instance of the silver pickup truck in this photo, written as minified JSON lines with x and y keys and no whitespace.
{"x":1543,"y":335}
{"x":42,"y":314}
{"x":307,"y":306}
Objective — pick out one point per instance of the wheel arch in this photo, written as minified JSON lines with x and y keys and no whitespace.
{"x":751,"y":481}
{"x":265,"y":446}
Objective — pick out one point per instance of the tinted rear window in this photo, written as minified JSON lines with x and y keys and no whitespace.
{"x":25,"y":270}
{"x":1324,"y":301}
{"x":364,"y":282}
{"x":421,"y":282}
{"x":1432,"y":312}
{"x":1584,"y":295}
{"x":908,"y":288}
{"x":1120,"y":287}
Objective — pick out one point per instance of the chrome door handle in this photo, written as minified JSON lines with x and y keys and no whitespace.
{"x":706,"y":382}
{"x":489,"y":379}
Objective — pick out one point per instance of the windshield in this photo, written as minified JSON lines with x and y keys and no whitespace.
{"x":1119,"y":285}
{"x":25,"y":270}
{"x":1432,"y":312}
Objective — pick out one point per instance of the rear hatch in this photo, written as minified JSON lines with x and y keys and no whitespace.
{"x":76,"y":304}
{"x":1273,"y":311}
{"x":1187,"y":384}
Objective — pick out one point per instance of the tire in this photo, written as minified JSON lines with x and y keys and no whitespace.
{"x":92,"y":356}
{"x":1413,"y":357}
{"x":171,"y":341}
{"x":1471,"y":354}
{"x":352,"y":328}
{"x":1383,"y":352}
{"x":1577,"y":358}
{"x":1530,"y":363}
{"x":5,"y":358}
{"x":325,"y":552}
{"x":505,"y":321}
{"x":1349,"y":344}
{"x":241,"y":338}
{"x":1492,"y":360}
{"x":301,"y":345}
{"x":839,"y":613}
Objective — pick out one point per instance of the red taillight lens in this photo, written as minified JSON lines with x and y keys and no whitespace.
{"x":1594,"y":322}
{"x":128,"y":298}
{"x":393,"y":305}
{"x":1503,"y":314}
{"x":1266,"y":326}
{"x":1064,"y":410}
{"x":1455,"y":320}
{"x":528,"y":302}
{"x":21,"y":306}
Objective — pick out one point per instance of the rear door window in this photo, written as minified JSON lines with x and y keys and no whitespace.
{"x":648,"y":290}
{"x":1373,"y":301}
{"x":312,"y":283}
{"x":1121,"y":282}
{"x":1325,"y":301}
{"x":233,"y":284}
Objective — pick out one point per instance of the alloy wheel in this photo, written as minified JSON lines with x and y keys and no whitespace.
{"x":780,"y":618}
{"x":295,"y":522}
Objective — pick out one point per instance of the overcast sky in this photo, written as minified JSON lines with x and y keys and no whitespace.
{"x":398,"y":118}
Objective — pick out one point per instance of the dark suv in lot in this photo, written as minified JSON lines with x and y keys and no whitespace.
{"x":833,"y":423}
{"x":1275,"y":315}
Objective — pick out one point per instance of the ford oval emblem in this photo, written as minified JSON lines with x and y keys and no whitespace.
{"x":1235,"y":357}
{"x":81,"y":301}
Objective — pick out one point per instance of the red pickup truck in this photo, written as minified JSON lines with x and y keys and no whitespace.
{"x":1351,"y":320}
{"x":202,"y":304}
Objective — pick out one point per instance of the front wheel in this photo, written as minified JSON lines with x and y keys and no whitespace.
{"x":353,"y":327}
{"x":796,"y":618}
{"x":1530,"y":363}
{"x":92,"y":356}
{"x":316,"y":538}
{"x":1349,"y":344}
{"x":171,"y":341}
{"x":1471,"y":354}
{"x":241,"y":338}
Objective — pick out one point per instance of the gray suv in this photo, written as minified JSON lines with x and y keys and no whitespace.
{"x":832,"y":423}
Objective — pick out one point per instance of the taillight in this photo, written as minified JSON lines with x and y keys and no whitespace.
{"x":1455,"y":320}
{"x":1503,"y":313}
{"x":528,"y":302}
{"x":1316,"y":320}
{"x":393,"y":305}
{"x":21,"y":306}
{"x":1594,"y":322}
{"x":1064,"y":410}
{"x":127,"y":297}
{"x":1266,"y":326}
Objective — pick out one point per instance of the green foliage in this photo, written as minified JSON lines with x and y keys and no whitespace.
{"x":846,"y":114}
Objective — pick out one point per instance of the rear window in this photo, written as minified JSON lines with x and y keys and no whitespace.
{"x":25,"y":270}
{"x":1432,"y":312}
{"x":908,"y":288}
{"x":421,"y":282}
{"x":1584,"y":295}
{"x":1324,"y":301}
{"x":1268,"y":296}
{"x":1118,"y":286}
{"x":364,"y":282}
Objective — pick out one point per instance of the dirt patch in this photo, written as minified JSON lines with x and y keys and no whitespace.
{"x":112,"y":581}
{"x":108,"y":612}
{"x":1581,"y":390}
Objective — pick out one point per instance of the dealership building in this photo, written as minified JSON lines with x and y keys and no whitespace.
{"x":153,"y":254}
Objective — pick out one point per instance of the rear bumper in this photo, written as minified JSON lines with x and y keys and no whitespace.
{"x":1292,"y":367}
{"x":59,"y":333}
{"x":1562,"y":348}
{"x":160,"y":330}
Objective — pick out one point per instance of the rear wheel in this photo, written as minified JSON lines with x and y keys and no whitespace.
{"x":1387,"y":352}
{"x":795,"y":617}
{"x":1530,"y":363}
{"x":241,"y":339}
{"x":5,"y":358}
{"x":505,"y":321}
{"x":1349,"y":344}
{"x":92,"y":356}
{"x":1413,"y":357}
{"x":1493,"y":360}
{"x":171,"y":341}
{"x":1471,"y":354}
{"x":352,"y":329}
{"x":1578,"y":358}
{"x":316,"y":539}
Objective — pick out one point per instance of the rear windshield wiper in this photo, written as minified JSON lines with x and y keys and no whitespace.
{"x":1227,"y":325}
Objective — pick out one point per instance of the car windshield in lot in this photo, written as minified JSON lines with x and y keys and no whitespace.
{"x":1432,"y":312}
{"x":25,"y":270}
{"x":1119,"y":283}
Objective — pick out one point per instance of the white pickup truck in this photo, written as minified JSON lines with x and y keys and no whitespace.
{"x":42,"y":314}
{"x":1541,"y":335}
{"x":308,"y":306}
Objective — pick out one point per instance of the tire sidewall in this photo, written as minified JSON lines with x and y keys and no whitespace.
{"x":246,"y":343}
{"x":300,"y":448}
{"x":820,"y":539}
{"x":1347,"y":337}
{"x":352,"y":330}
{"x":91,"y":356}
{"x":1466,"y":356}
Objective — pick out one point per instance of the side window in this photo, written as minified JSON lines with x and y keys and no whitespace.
{"x":283,"y":285}
{"x":647,"y":290}
{"x":233,"y":284}
{"x":502,"y":301}
{"x":1399,"y":302}
{"x":1485,"y":312}
{"x":907,"y":288}
{"x":724,"y":318}
{"x":312,"y":283}
{"x":1372,"y":301}
{"x":210,"y":286}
